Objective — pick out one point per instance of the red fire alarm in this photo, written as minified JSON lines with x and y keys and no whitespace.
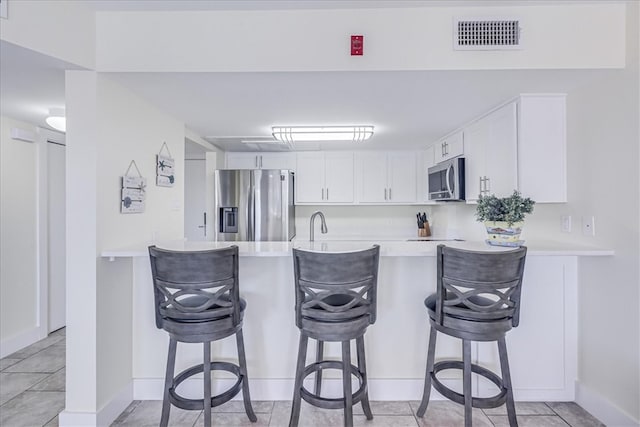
{"x":357,"y":45}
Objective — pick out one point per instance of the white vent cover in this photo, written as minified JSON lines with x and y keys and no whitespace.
{"x":486,"y":34}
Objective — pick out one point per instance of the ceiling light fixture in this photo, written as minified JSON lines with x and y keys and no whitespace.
{"x":56,"y":119}
{"x":292,"y":134}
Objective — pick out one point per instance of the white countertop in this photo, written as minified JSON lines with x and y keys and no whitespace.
{"x":397,"y":248}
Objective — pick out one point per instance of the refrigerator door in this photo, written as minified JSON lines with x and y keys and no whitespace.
{"x":233,"y":205}
{"x":270,"y":212}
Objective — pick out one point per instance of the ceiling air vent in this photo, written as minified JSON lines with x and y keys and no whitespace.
{"x":486,"y":34}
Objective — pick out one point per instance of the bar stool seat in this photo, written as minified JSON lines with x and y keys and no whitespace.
{"x":335,"y":301}
{"x":477,"y":299}
{"x":197,"y":301}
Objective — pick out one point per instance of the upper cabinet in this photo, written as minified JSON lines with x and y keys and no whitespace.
{"x":521,"y":145}
{"x":386,"y":177}
{"x":490,"y":154}
{"x":542,"y":147}
{"x":261,"y":160}
{"x":324,"y":178}
{"x":449,"y":147}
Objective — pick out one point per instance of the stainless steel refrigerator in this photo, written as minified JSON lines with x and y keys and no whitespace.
{"x":254,"y":205}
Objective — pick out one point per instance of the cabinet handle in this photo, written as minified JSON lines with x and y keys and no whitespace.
{"x":256,"y":161}
{"x":487,"y":184}
{"x":480,"y":182}
{"x":323,"y":194}
{"x":389,"y":194}
{"x":327,"y":194}
{"x":260,"y":162}
{"x":385,"y":194}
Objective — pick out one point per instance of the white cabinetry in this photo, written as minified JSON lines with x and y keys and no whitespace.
{"x":261,"y":161}
{"x":426,"y":160}
{"x":386,"y":177}
{"x":324,"y":178}
{"x":449,"y":147}
{"x":542,"y":147}
{"x":490,"y":159}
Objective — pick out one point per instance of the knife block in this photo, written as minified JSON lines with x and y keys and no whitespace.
{"x":425,"y":231}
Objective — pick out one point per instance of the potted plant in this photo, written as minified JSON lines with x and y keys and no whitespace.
{"x":503,"y":217}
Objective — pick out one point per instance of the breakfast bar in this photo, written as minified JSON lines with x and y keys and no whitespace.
{"x":542,"y":350}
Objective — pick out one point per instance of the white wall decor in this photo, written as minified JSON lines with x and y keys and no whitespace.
{"x":133,"y":191}
{"x":164,"y":168}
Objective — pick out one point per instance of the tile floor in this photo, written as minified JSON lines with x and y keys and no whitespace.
{"x":32,"y":394}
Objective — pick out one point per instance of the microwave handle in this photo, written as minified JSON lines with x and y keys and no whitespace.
{"x":449,"y":169}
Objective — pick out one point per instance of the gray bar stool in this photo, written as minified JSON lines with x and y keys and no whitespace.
{"x":335,"y":301}
{"x":197,"y":300}
{"x":477,"y":299}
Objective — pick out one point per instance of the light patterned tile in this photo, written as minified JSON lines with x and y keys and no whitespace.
{"x":448,"y":414}
{"x":147,"y":413}
{"x":50,"y":360}
{"x":523,"y":408}
{"x":54,"y":382}
{"x":379,"y":407}
{"x":529,"y":421}
{"x":238,"y":406}
{"x":310,"y":416}
{"x":53,"y":422}
{"x":36,"y":347}
{"x":32,"y":408}
{"x":6,"y":362}
{"x":12,"y":384}
{"x":385,"y":421}
{"x":574,"y":415}
{"x":234,"y":419}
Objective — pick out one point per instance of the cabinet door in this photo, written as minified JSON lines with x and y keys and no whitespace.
{"x":426,"y":161}
{"x":542,"y":148}
{"x":372,"y":178}
{"x":338,"y":175}
{"x":450,"y":147}
{"x":242,"y":161}
{"x":310,"y":178}
{"x":500,"y":152}
{"x":401,"y":175}
{"x":477,"y":138}
{"x":277,"y":161}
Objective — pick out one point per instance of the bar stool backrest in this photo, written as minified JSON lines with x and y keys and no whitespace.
{"x":479,"y":286}
{"x":336,"y":287}
{"x":195,"y":286}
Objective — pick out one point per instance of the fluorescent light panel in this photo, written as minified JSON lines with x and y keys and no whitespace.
{"x":292,"y":134}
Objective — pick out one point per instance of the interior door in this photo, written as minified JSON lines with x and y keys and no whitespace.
{"x":195,"y":200}
{"x":56,"y":238}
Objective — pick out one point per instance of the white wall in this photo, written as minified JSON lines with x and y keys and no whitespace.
{"x":555,"y":36}
{"x":19,"y":262}
{"x":108,"y":127}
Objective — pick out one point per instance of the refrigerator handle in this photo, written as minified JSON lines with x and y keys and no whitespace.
{"x":251,"y":214}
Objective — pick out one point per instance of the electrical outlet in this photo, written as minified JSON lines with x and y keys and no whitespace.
{"x":566,"y":224}
{"x":589,"y":226}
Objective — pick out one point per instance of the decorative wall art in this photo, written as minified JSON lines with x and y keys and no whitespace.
{"x":133,"y":191}
{"x":164,"y":168}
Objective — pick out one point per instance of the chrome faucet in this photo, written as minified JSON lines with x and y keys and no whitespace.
{"x":323,"y":224}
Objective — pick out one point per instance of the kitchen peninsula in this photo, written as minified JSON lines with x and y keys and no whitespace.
{"x":542,"y":350}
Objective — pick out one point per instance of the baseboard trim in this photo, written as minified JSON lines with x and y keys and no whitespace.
{"x":17,"y":342}
{"x":601,"y":408}
{"x":104,"y":417}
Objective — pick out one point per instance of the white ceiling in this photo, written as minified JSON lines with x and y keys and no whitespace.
{"x":408,"y":109}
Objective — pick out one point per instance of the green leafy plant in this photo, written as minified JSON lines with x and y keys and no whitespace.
{"x":509,"y":209}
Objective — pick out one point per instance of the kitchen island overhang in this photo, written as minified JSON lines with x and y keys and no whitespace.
{"x":542,"y":350}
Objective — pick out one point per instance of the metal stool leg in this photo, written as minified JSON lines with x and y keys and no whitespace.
{"x":297,"y":386}
{"x":319,"y":358}
{"x":168,"y":382}
{"x":206,"y":363}
{"x":242,"y":362}
{"x":346,"y":383}
{"x":362,"y":366}
{"x":466,"y":379}
{"x":431,"y":353}
{"x":506,"y":379}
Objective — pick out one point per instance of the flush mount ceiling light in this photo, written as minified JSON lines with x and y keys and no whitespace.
{"x":56,"y":119}
{"x":292,"y":134}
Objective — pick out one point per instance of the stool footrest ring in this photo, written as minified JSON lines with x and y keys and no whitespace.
{"x":326,"y":402}
{"x":476,"y":402}
{"x":217,"y":400}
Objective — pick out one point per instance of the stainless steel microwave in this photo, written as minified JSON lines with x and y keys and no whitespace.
{"x":446,"y":180}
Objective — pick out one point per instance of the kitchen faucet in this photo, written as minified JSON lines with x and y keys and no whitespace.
{"x":323,"y":224}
